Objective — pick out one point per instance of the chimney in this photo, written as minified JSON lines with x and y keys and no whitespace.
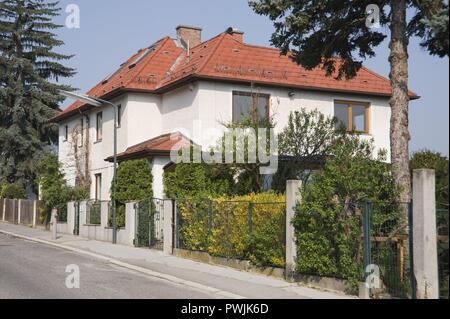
{"x":236,"y":34}
{"x":188,"y":35}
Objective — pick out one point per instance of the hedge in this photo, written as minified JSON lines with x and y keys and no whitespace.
{"x":221,"y":227}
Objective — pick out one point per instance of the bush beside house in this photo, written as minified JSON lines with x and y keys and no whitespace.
{"x":55,"y":192}
{"x":12,"y":191}
{"x":133,"y":183}
{"x":328,"y":222}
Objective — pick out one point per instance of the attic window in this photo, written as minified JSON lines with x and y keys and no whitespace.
{"x":143,"y":55}
{"x":105,"y":80}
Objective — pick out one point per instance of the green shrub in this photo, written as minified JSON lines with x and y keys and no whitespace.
{"x":229,"y":235}
{"x":198,"y":180}
{"x":12,"y":191}
{"x":328,"y":221}
{"x":133,"y":183}
{"x":54,"y":189}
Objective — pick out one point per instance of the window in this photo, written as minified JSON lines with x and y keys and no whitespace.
{"x":253,"y":105}
{"x":98,"y":186}
{"x":353,"y":116}
{"x":81,"y":133}
{"x":66,"y":133}
{"x":119,"y":115}
{"x":99,"y":126}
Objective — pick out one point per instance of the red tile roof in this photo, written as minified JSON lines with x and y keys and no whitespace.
{"x":161,"y":145}
{"x":165,"y":65}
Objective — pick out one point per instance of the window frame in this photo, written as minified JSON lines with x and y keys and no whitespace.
{"x":350,"y":105}
{"x":255,"y":97}
{"x":119,"y":116}
{"x":98,"y":186}
{"x":98,"y":128}
{"x":66,"y":133}
{"x":81,"y":144}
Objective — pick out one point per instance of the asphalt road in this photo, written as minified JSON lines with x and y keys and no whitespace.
{"x":31,"y":270}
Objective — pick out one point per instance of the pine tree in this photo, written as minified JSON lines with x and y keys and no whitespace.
{"x":29,"y":74}
{"x":316,"y":32}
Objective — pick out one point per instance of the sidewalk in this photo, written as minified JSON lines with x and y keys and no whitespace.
{"x":223,"y":281}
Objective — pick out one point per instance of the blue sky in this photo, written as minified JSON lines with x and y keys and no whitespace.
{"x":112,"y":30}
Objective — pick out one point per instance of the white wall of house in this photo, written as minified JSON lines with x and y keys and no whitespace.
{"x":180,"y":108}
{"x":158,"y":164}
{"x":203,"y":106}
{"x":215,"y":107}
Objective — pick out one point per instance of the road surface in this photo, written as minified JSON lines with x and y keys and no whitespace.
{"x":33,"y":270}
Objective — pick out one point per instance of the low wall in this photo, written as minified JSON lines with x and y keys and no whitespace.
{"x":327,"y":283}
{"x":125,"y":236}
{"x":243,"y":265}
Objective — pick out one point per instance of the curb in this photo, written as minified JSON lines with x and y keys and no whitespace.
{"x":170,"y":278}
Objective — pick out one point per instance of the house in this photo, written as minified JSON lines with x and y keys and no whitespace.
{"x":186,"y":84}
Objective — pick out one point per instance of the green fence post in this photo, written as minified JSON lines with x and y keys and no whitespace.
{"x":250,"y":217}
{"x":177,"y":224}
{"x":210,"y":217}
{"x":367,"y":244}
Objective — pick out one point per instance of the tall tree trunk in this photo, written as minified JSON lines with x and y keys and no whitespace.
{"x":400,"y":99}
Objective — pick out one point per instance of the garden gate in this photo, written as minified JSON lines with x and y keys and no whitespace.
{"x":150,"y":223}
{"x":387,"y":242}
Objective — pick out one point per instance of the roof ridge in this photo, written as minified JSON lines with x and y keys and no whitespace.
{"x":161,"y":45}
{"x":209,"y":40}
{"x":213,"y":52}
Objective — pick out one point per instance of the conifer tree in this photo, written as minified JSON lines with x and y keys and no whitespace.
{"x":30,"y":69}
{"x":316,"y":32}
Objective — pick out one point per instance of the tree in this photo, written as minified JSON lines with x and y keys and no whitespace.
{"x":333,"y":35}
{"x":29,"y":70}
{"x":249,"y":135}
{"x":438,"y":162}
{"x":12,"y":191}
{"x":55,"y":191}
{"x":307,"y":140}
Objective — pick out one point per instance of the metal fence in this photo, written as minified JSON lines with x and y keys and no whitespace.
{"x":93,"y":213}
{"x":389,"y":246}
{"x":150,"y":223}
{"x":62,"y":213}
{"x":233,"y":229}
{"x":442,"y":216}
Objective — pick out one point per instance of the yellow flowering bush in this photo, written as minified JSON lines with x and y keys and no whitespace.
{"x":222,"y":227}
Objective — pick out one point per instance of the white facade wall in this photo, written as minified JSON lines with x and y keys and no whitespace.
{"x":199,"y":110}
{"x":215,"y":101}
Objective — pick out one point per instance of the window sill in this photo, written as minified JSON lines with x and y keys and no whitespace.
{"x":98,"y":142}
